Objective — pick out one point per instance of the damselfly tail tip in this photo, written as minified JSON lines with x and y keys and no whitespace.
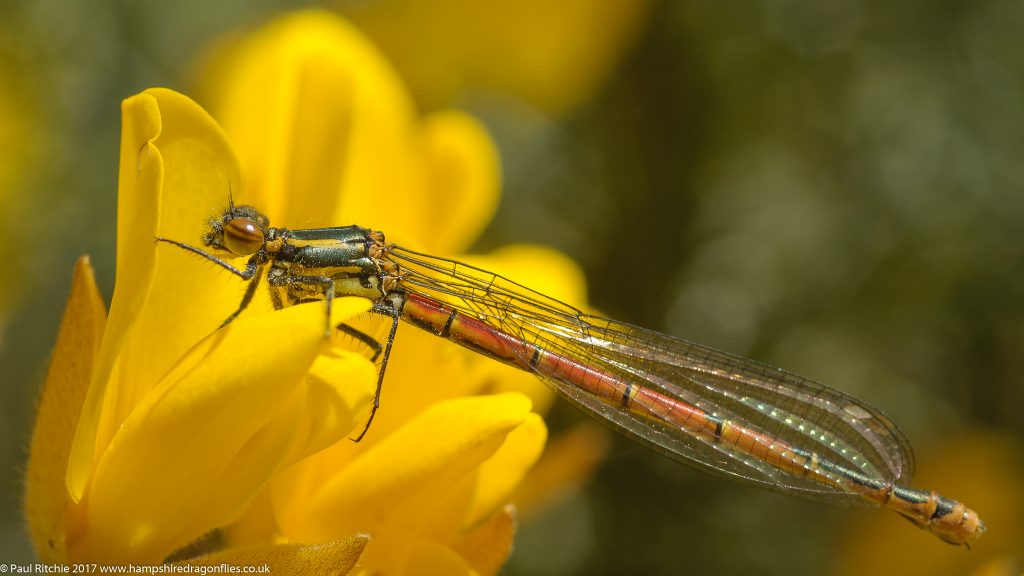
{"x":959,"y":528}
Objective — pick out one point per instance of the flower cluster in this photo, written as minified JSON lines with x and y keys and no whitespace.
{"x":158,"y":433}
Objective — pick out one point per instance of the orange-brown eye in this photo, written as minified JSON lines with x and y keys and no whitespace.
{"x":242,"y":236}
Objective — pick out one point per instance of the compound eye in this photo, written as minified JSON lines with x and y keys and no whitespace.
{"x":243,"y":237}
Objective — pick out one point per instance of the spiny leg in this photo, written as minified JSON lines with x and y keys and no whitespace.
{"x":275,"y":294}
{"x":250,"y":290}
{"x":329,"y":297}
{"x":367,"y":340}
{"x":253,"y":271}
{"x":251,"y":267}
{"x":394,"y":313}
{"x":363,"y":337}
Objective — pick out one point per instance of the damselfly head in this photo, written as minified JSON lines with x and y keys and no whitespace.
{"x":240,"y":230}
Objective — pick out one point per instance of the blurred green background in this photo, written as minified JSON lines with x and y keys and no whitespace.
{"x":834,"y":188}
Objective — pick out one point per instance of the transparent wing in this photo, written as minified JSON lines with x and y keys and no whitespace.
{"x":788,"y":408}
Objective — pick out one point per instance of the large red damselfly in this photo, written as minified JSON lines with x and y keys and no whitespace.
{"x":728,"y":415}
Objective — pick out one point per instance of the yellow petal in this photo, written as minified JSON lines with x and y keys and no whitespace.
{"x":333,"y":558}
{"x":333,"y":138}
{"x":426,"y":558}
{"x":329,"y":134}
{"x":422,"y":371}
{"x":176,"y":172}
{"x":551,"y":54}
{"x":568,"y":461}
{"x":410,"y":386}
{"x":141,"y":172}
{"x":198,"y":448}
{"x":463,"y":181}
{"x":257,"y":525}
{"x":400,"y":479}
{"x":502,"y":472}
{"x":488,"y":546}
{"x":337,"y":391}
{"x":188,"y":297}
{"x":78,"y":344}
{"x":480,"y":494}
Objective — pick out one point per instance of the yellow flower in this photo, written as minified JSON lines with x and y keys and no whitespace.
{"x":333,"y":139}
{"x":553,"y":55}
{"x":155,"y":428}
{"x":151,"y":430}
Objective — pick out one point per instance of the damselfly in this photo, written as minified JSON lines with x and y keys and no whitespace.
{"x":728,"y":415}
